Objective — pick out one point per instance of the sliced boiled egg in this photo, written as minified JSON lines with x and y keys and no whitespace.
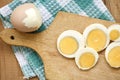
{"x":86,"y":58}
{"x":96,"y":36}
{"x":69,"y":42}
{"x":114,"y":32}
{"x":112,"y":54}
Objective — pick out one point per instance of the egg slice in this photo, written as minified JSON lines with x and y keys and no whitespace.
{"x":96,"y":36}
{"x":114,"y":32}
{"x":86,"y":58}
{"x":69,"y":42}
{"x":112,"y":54}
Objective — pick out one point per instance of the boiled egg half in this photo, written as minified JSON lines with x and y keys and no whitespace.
{"x":114,"y":32}
{"x":69,"y":42}
{"x":96,"y":36}
{"x":86,"y":58}
{"x":112,"y":54}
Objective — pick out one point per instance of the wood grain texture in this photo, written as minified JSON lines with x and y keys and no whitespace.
{"x":9,"y":68}
{"x":114,"y":7}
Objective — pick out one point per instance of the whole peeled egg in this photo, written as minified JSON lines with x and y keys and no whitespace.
{"x":26,"y":18}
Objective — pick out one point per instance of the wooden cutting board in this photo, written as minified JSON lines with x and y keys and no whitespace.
{"x":56,"y":66}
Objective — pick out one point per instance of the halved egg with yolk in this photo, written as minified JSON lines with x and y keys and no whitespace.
{"x":112,"y":54}
{"x":114,"y":32}
{"x":96,"y":36}
{"x":86,"y":58}
{"x":69,"y":42}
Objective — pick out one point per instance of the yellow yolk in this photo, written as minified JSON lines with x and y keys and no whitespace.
{"x":114,"y":34}
{"x":68,"y":45}
{"x":114,"y":57}
{"x":87,"y":60}
{"x":96,"y":39}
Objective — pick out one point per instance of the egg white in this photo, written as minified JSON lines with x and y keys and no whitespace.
{"x":82,"y":51}
{"x":76,"y":35}
{"x":96,"y":26}
{"x":108,"y":49}
{"x":114,"y":27}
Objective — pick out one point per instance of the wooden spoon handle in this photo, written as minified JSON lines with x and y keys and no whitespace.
{"x":13,"y":37}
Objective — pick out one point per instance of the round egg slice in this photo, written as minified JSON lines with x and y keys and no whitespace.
{"x":96,"y":36}
{"x":114,"y":32}
{"x":69,"y":42}
{"x":86,"y":58}
{"x":112,"y":54}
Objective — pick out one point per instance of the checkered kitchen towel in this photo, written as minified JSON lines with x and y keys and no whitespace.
{"x":30,"y":63}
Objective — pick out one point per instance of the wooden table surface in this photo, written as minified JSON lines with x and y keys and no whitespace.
{"x":9,"y":68}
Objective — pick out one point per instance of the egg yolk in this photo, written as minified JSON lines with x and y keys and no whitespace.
{"x":114,"y":34}
{"x":114,"y":56}
{"x":68,"y":45}
{"x":96,"y":39}
{"x":87,"y":60}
